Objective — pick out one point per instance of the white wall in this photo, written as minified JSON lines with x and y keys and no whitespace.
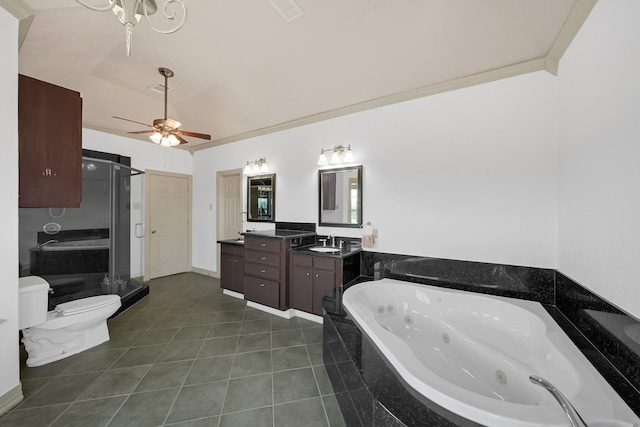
{"x":599,"y":155}
{"x":469,"y":174}
{"x":9,"y":363}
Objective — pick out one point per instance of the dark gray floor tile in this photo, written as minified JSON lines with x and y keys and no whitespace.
{"x":218,"y":347}
{"x":229,"y":316}
{"x":253,"y":363}
{"x":255,"y":327}
{"x":248,"y":393}
{"x":156,"y":336}
{"x":176,"y":351}
{"x":33,"y":417}
{"x":210,"y":369}
{"x":203,"y":422}
{"x":53,"y":369}
{"x":198,"y":401}
{"x":201,"y":318}
{"x":262,"y":417}
{"x":137,"y":356}
{"x":290,"y":358}
{"x":115,"y":382}
{"x":94,"y":413}
{"x":147,"y":409}
{"x":287,"y":338}
{"x":289,"y":414}
{"x":165,"y":375}
{"x":254,"y":314}
{"x":294,"y":385}
{"x":139,"y":323}
{"x":89,"y":361}
{"x":224,"y":330}
{"x":312,"y":335}
{"x":332,"y":409}
{"x":61,"y":390}
{"x":324,"y":384}
{"x":121,"y":339}
{"x":281,"y":324}
{"x":305,"y":323}
{"x":192,"y":333}
{"x":315,"y":354}
{"x":170,"y":321}
{"x":30,"y":387}
{"x":253,"y":342}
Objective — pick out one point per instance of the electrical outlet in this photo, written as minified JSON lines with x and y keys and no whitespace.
{"x":374,"y":232}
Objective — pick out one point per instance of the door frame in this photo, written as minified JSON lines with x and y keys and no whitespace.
{"x":147,"y":214}
{"x":220,"y":175}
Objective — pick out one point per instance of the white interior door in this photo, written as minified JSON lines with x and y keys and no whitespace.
{"x":232,"y":221}
{"x":169,"y":218}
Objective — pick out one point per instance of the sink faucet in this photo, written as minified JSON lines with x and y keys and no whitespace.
{"x":574,"y":418}
{"x":332,"y":240}
{"x":41,"y":245}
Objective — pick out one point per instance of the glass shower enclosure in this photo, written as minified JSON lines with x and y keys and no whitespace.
{"x":96,"y":248}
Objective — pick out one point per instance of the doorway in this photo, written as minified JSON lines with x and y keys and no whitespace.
{"x":168,"y":218}
{"x":229,"y":215}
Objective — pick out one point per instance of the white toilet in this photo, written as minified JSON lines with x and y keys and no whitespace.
{"x":70,"y":328}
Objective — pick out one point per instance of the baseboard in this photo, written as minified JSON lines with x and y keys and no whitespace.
{"x":205,"y":272}
{"x":233,"y":294}
{"x":287,"y":314}
{"x":11,"y":399}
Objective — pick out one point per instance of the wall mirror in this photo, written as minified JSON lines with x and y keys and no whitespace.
{"x":261,"y":198}
{"x":340,"y":197}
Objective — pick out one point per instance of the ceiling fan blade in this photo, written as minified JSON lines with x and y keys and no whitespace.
{"x":195,"y":134}
{"x":132,"y":121}
{"x":143,"y":131}
{"x":181,"y":139}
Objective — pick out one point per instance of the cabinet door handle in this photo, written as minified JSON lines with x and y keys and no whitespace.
{"x":308,"y":274}
{"x":48,"y":172}
{"x":317,"y":275}
{"x":235,"y":260}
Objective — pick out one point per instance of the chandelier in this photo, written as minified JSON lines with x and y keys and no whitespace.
{"x":129,"y":13}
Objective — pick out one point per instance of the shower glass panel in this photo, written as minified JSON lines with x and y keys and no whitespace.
{"x":94,"y":249}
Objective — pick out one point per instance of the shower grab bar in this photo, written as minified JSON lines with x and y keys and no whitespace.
{"x":571,"y":413}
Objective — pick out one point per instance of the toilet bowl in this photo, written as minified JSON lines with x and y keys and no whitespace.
{"x":70,"y":328}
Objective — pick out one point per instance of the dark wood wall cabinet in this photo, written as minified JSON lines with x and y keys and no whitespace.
{"x":266,"y":271}
{"x":50,"y":145}
{"x":312,"y":277}
{"x":232,"y":267}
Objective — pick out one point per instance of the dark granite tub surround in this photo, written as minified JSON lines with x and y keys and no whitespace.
{"x":536,"y":284}
{"x":611,"y":334}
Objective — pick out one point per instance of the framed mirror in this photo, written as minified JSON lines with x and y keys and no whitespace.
{"x":261,"y":198}
{"x":340,"y":197}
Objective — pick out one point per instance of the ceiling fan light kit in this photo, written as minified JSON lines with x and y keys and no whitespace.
{"x":129,"y":13}
{"x":166,"y":132}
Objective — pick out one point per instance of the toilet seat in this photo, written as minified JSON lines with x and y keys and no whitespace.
{"x":86,"y":304}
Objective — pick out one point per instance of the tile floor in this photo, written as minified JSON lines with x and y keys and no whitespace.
{"x":186,"y":355}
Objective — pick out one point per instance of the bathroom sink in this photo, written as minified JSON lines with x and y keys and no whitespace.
{"x":325,"y":249}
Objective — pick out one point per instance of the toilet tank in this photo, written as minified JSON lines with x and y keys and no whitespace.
{"x":33,"y":301}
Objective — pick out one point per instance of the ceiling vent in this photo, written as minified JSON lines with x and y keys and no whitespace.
{"x":158,"y":87}
{"x":287,"y":8}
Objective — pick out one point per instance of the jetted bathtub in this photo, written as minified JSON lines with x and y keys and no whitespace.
{"x":473,"y":354}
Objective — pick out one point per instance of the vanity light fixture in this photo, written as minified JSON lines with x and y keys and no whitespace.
{"x":256,"y":166}
{"x":129,"y":13}
{"x":340,"y":154}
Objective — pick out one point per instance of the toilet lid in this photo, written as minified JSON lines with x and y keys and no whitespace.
{"x":86,"y":304}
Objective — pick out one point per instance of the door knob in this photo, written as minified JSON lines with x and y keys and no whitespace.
{"x":153,"y":231}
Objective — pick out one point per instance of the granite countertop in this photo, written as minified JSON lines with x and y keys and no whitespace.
{"x":237,"y":242}
{"x":347,"y":250}
{"x":281,"y":234}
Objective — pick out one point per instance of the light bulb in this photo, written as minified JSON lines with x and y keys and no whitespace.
{"x":348,"y":155}
{"x":264,"y":167}
{"x":335,"y":158}
{"x":247,"y":168}
{"x":156,"y":137}
{"x":322,"y":160}
{"x":173,"y":141}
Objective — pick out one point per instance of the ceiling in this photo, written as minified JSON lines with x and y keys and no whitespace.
{"x":242,"y":70}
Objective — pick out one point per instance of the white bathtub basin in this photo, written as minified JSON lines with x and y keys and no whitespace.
{"x":473,"y":355}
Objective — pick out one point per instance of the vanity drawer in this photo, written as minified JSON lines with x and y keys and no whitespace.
{"x":263,"y":258}
{"x":262,"y":243}
{"x":302,"y":260}
{"x":325,"y":263}
{"x":263,"y":271}
{"x":262,"y":291}
{"x":231,"y":249}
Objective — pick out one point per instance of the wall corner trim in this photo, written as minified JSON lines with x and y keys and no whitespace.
{"x":11,"y":399}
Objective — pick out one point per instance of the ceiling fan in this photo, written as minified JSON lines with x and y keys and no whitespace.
{"x":165,"y":131}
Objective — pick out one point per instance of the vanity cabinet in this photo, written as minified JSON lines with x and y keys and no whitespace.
{"x":266,"y":271}
{"x":49,"y":145}
{"x":312,"y":277}
{"x":232,"y":268}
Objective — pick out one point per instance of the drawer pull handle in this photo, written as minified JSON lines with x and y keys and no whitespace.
{"x":263,"y":245}
{"x":308,"y":274}
{"x":263,"y":271}
{"x":262,"y":258}
{"x":262,"y":285}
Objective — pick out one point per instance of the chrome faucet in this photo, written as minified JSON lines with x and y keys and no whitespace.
{"x":332,"y":240}
{"x":574,"y":418}
{"x":40,"y":245}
